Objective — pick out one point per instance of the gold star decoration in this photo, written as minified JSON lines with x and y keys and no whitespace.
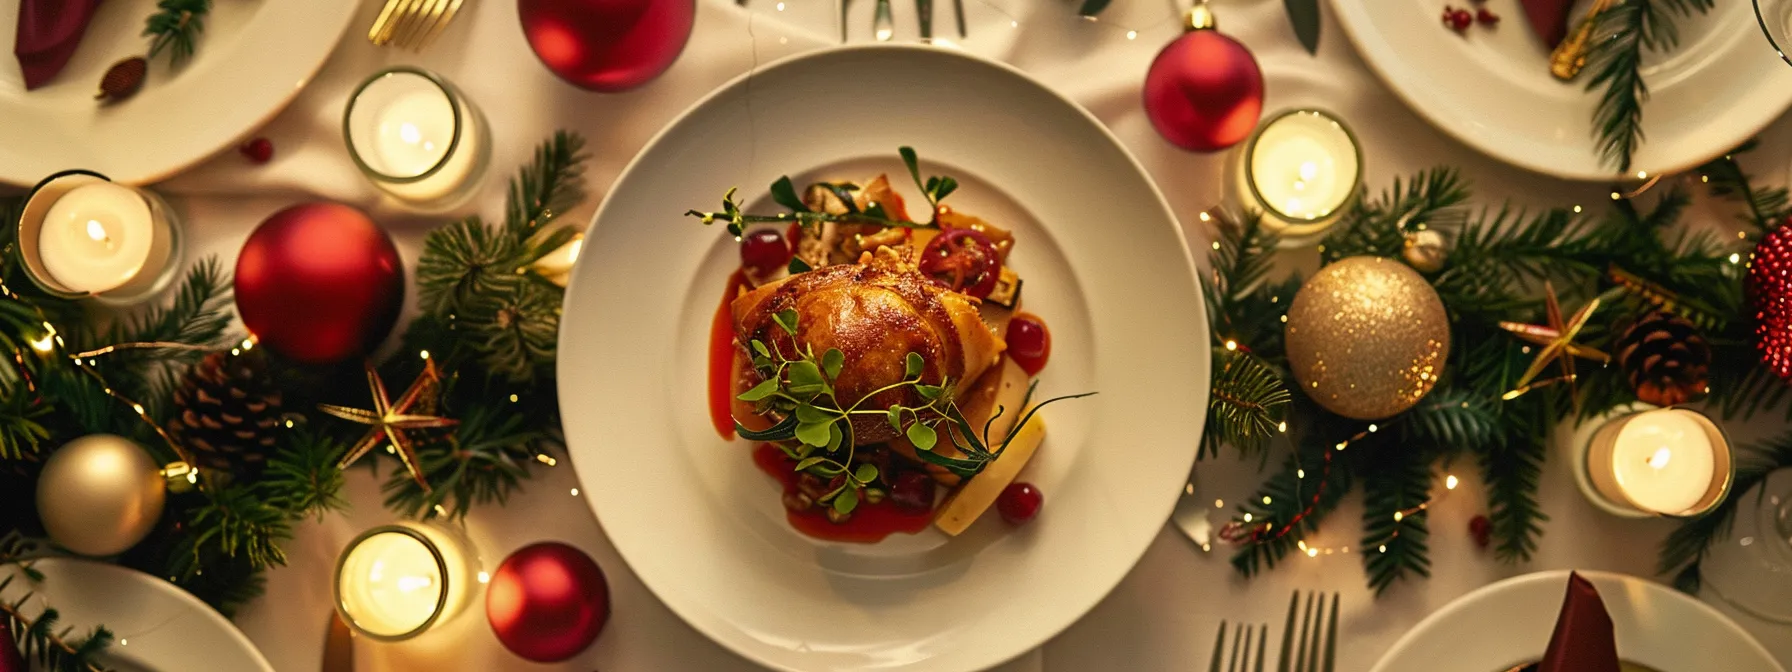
{"x":1557,"y":341}
{"x":391,"y":420}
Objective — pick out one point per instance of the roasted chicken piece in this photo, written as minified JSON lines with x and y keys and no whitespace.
{"x":875,"y":312}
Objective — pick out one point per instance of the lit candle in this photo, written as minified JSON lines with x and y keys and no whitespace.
{"x":1667,"y":461}
{"x":1299,"y":168}
{"x":397,"y":581}
{"x":82,"y":235}
{"x":416,"y":136}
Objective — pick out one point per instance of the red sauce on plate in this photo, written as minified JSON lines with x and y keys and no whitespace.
{"x":1029,"y":342}
{"x":722,"y":364}
{"x":870,"y":523}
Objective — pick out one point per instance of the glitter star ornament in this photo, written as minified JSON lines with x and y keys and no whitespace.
{"x":390,"y":420}
{"x":1367,"y":337}
{"x":1557,"y":341}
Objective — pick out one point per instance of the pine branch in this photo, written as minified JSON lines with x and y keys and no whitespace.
{"x":547,"y":188}
{"x":1620,"y":36}
{"x":175,"y":27}
{"x":1395,"y":535}
{"x":482,"y":462}
{"x":1247,"y":405}
{"x":199,"y":316}
{"x":1304,"y":484}
{"x":302,"y":478}
{"x":1241,"y":305}
{"x":464,"y":259}
{"x":1511,"y":463}
{"x":1767,"y":207}
{"x":1378,"y":226}
{"x":1448,"y":419}
{"x":233,"y":524}
{"x":1686,"y":547}
{"x":38,"y":639}
{"x":21,"y":423}
{"x":517,"y":333}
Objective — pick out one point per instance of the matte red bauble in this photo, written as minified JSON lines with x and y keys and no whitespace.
{"x":547,"y":602}
{"x":10,"y":661}
{"x":1204,"y":92}
{"x":319,"y":283}
{"x":1770,"y":294}
{"x":607,"y":45}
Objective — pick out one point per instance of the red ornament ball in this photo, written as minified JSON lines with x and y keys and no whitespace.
{"x":547,"y":602}
{"x":1481,"y":529}
{"x":1770,"y":294}
{"x":319,"y":283}
{"x":1204,"y":92}
{"x":607,"y":45}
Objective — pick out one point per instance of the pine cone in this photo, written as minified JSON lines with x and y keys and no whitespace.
{"x":227,"y":411}
{"x":1665,"y":359}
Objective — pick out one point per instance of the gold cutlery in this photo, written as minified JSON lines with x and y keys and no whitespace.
{"x":412,"y":24}
{"x":1242,"y":658}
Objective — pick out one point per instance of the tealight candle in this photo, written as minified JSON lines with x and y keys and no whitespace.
{"x":1300,"y":168}
{"x":1666,"y":461}
{"x":416,"y":137}
{"x":396,"y":581}
{"x":82,"y":235}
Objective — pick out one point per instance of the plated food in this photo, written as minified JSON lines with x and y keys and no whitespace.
{"x":879,"y":360}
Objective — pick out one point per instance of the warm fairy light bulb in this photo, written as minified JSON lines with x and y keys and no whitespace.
{"x":1450,"y":482}
{"x":45,"y":344}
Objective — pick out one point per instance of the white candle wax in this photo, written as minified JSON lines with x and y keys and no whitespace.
{"x":390,"y":584}
{"x":1664,"y":461}
{"x":98,"y":237}
{"x":1304,"y":165}
{"x":413,"y":134}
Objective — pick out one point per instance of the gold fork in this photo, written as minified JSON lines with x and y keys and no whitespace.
{"x":412,"y":24}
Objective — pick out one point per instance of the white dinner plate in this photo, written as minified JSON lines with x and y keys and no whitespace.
{"x":252,"y":59}
{"x":156,"y":627}
{"x":1509,"y":623}
{"x":1492,"y":89}
{"x":1104,"y":263}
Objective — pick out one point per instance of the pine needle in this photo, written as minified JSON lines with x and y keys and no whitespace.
{"x":1620,"y":36}
{"x":175,"y":27}
{"x":1247,"y":404}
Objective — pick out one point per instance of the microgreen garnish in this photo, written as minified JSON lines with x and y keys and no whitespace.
{"x":783,"y":192}
{"x":815,"y":426}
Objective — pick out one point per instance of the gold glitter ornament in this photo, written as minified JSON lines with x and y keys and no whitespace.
{"x":1425,"y":250}
{"x":1367,"y":337}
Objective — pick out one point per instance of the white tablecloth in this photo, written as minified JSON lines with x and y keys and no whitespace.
{"x":1162,"y":617}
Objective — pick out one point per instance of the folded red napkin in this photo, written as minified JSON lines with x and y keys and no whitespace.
{"x":1549,"y":18}
{"x":1583,"y":641}
{"x":49,"y":31}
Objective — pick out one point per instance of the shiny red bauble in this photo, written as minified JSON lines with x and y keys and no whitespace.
{"x":1770,"y":295}
{"x":319,"y":283}
{"x":547,"y":602}
{"x":607,"y":45}
{"x":1204,"y":92}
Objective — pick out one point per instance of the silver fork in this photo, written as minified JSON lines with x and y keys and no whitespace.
{"x":412,"y":24}
{"x":1306,"y":654}
{"x":1242,"y":658}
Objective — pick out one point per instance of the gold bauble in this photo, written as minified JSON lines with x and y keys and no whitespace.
{"x":1367,"y":337}
{"x":100,"y":494}
{"x":1426,"y":250}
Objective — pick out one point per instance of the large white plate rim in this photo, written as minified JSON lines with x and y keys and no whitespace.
{"x":693,"y":615}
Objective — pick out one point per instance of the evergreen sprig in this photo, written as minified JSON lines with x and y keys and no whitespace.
{"x":481,"y":462}
{"x":1248,"y":401}
{"x":1686,"y":547}
{"x":1301,"y":493}
{"x":1621,"y":34}
{"x":1378,"y":226}
{"x":175,"y":27}
{"x":1767,"y":207}
{"x":38,"y":639}
{"x":1395,"y":533}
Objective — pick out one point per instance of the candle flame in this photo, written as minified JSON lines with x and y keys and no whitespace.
{"x":1660,"y":459}
{"x":96,"y":231}
{"x":408,"y":132}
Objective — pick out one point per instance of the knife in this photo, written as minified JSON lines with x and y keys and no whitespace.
{"x":924,"y":10}
{"x":1304,"y":14}
{"x":339,"y":646}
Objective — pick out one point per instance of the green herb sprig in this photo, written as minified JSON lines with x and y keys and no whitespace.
{"x":935,"y":188}
{"x":816,"y":427}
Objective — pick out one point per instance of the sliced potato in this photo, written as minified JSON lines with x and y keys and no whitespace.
{"x":970,"y":500}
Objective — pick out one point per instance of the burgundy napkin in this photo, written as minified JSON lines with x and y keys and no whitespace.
{"x":49,"y":31}
{"x":1549,"y":18}
{"x":1583,"y":641}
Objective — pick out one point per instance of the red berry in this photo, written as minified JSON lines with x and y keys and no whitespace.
{"x":1019,"y":502}
{"x":1448,"y":10}
{"x":1481,"y":529}
{"x":1487,"y":18}
{"x":259,"y":151}
{"x":764,"y":252}
{"x":913,"y":491}
{"x":1461,"y":19}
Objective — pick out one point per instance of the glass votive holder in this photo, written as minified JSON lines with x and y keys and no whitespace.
{"x":1302,"y":169}
{"x":82,"y":235}
{"x":1642,"y":461}
{"x":417,"y":137}
{"x":394,"y":582}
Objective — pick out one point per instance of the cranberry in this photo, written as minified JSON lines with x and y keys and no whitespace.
{"x":1461,"y":19}
{"x":913,"y":491}
{"x":259,"y":151}
{"x":1487,"y":18}
{"x":764,"y":252}
{"x":1029,"y":343}
{"x":1481,"y":529}
{"x":1019,"y":502}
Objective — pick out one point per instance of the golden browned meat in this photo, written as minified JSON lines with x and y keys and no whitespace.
{"x":875,"y":312}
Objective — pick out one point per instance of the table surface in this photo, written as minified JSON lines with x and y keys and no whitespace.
{"x":1163,"y":615}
